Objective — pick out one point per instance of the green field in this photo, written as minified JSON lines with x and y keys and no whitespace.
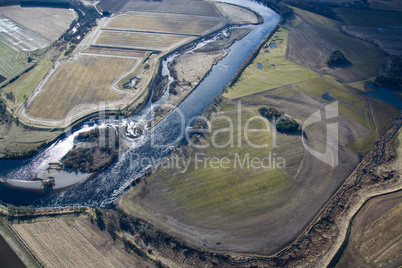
{"x":275,"y":72}
{"x":225,"y":192}
{"x":10,"y":63}
{"x":27,"y":82}
{"x":370,"y":18}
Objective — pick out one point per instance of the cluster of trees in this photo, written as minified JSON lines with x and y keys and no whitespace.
{"x":393,"y":79}
{"x":280,"y":7}
{"x":270,"y":113}
{"x":20,"y":212}
{"x":287,"y":126}
{"x":321,"y":8}
{"x":337,"y":58}
{"x":284,"y":124}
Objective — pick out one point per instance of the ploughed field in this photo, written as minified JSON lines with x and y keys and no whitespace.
{"x":70,"y":241}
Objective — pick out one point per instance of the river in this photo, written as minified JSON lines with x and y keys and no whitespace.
{"x":149,"y":149}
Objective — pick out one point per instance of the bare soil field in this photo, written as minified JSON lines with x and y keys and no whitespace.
{"x":376,"y":232}
{"x":47,"y":22}
{"x":312,"y":42}
{"x":389,"y":39}
{"x":166,"y":23}
{"x":19,"y":36}
{"x":75,"y":242}
{"x":116,"y":52}
{"x":236,"y":14}
{"x":190,"y":7}
{"x":87,"y":80}
{"x":390,"y":5}
{"x":142,"y":40}
{"x":210,"y":207}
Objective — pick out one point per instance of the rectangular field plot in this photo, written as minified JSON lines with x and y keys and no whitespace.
{"x":56,"y":245}
{"x":47,"y":22}
{"x":168,"y":23}
{"x":9,"y":62}
{"x":20,"y":36}
{"x":370,"y":18}
{"x":141,"y":40}
{"x":116,"y":52}
{"x":87,"y":80}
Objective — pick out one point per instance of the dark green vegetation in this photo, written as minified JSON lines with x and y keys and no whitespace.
{"x":103,"y":150}
{"x":393,"y":79}
{"x":287,"y":126}
{"x":337,"y":59}
{"x":284,"y":125}
{"x":370,"y":18}
{"x":269,"y":113}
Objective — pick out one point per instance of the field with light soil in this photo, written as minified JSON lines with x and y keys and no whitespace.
{"x":141,"y":40}
{"x":166,"y":23}
{"x":87,"y":80}
{"x":75,"y":242}
{"x":47,"y":22}
{"x":116,"y":52}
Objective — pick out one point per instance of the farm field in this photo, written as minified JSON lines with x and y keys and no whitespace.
{"x":270,"y":69}
{"x":81,"y":82}
{"x":312,"y":42}
{"x":241,"y":209}
{"x":21,"y":37}
{"x":192,"y":7}
{"x":141,"y":40}
{"x":382,"y":27}
{"x":75,"y":242}
{"x":47,"y":22}
{"x":166,"y":23}
{"x":370,"y":18}
{"x":27,"y":82}
{"x":390,"y":5}
{"x":10,"y":62}
{"x":116,"y":52}
{"x":375,"y":237}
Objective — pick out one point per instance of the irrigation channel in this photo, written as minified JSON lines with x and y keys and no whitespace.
{"x":149,"y":149}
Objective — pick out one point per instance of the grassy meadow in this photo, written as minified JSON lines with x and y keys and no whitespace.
{"x":10,"y":63}
{"x":276,"y":70}
{"x":237,"y":191}
{"x":27,"y":82}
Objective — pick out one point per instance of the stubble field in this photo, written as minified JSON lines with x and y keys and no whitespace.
{"x":167,"y":23}
{"x":141,"y":40}
{"x":84,"y":81}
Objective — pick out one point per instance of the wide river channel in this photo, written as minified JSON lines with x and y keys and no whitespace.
{"x":150,"y":149}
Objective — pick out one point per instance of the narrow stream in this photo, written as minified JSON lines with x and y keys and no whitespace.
{"x":145,"y":151}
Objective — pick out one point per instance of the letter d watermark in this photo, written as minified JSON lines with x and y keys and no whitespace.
{"x":330,"y":156}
